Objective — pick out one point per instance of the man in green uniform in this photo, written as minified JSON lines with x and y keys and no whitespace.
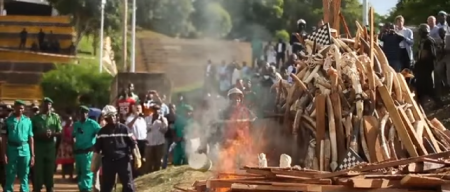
{"x":17,"y":142}
{"x":179,"y":154}
{"x":84,"y":132}
{"x":46,"y":127}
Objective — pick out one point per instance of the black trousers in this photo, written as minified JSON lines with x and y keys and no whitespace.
{"x":280,"y":56}
{"x":424,"y":84}
{"x":2,"y":175}
{"x":404,"y":59}
{"x":141,"y":146}
{"x":121,"y":167}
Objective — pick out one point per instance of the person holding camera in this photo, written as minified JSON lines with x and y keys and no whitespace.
{"x":138,"y":126}
{"x":391,"y":47}
{"x":156,"y":127}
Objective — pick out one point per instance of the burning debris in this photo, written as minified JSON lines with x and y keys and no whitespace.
{"x":355,"y":124}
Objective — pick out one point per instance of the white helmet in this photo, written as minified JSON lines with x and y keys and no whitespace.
{"x":301,"y":21}
{"x":109,"y":110}
{"x":235,"y":91}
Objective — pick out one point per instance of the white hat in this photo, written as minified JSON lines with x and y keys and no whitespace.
{"x":301,"y":21}
{"x":109,"y":110}
{"x":234,"y":91}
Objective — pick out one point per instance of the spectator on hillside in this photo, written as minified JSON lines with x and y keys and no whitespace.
{"x":136,"y":122}
{"x":170,"y":134}
{"x":281,"y":53}
{"x":41,"y":38}
{"x":431,"y":21}
{"x":34,"y":47}
{"x":406,"y":53}
{"x":23,"y":38}
{"x":157,"y":127}
{"x":391,"y":46}
{"x":442,"y":19}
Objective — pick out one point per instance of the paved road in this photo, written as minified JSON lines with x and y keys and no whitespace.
{"x":61,"y":185}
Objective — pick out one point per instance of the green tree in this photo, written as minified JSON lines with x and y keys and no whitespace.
{"x":210,"y":19}
{"x":69,"y":82}
{"x":417,"y":11}
{"x":86,"y":15}
{"x":170,"y":17}
{"x":254,"y":17}
{"x":282,"y":34}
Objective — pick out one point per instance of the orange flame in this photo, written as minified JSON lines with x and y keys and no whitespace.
{"x":239,"y":147}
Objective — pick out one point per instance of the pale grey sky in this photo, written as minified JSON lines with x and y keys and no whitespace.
{"x":382,"y":7}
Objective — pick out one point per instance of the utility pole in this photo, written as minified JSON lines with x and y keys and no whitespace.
{"x":365,"y":13}
{"x":2,"y":6}
{"x":125,"y":34}
{"x":102,"y":23}
{"x":133,"y":39}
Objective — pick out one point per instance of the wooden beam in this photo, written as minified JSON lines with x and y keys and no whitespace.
{"x":417,"y":113}
{"x":363,"y":183}
{"x":386,"y":164}
{"x":320,"y":123}
{"x":397,"y":121}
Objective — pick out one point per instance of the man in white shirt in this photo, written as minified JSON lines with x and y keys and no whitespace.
{"x":442,"y":19}
{"x":431,"y":21}
{"x":136,"y":122}
{"x":157,"y":127}
{"x":281,"y":53}
{"x":406,"y":53}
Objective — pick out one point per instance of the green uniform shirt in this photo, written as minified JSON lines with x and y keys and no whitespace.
{"x":18,"y":132}
{"x":42,"y":123}
{"x":85,"y":133}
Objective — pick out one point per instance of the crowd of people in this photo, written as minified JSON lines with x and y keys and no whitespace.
{"x":46,"y":43}
{"x":431,"y":56}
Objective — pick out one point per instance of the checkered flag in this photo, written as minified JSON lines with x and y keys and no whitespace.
{"x":351,"y":159}
{"x":322,"y":35}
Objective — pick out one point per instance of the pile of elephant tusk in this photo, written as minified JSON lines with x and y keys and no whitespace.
{"x":356,"y":127}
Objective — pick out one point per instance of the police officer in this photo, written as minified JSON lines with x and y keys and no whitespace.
{"x":116,"y":147}
{"x":297,"y":46}
{"x":84,"y":131}
{"x":46,"y":127}
{"x":424,"y":67}
{"x":17,"y":142}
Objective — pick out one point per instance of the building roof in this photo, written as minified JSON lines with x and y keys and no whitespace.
{"x":41,"y":2}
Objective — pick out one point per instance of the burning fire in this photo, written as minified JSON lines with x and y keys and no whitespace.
{"x":239,"y":148}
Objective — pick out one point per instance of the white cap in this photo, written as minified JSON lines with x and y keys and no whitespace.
{"x":234,"y":91}
{"x":301,"y":21}
{"x":109,"y":110}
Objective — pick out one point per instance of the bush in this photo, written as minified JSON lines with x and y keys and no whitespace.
{"x":282,"y":34}
{"x":70,"y":85}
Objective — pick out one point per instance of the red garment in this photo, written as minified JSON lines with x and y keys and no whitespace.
{"x":124,"y":105}
{"x":65,"y":149}
{"x":238,"y":130}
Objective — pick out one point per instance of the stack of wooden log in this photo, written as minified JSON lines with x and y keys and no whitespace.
{"x":347,"y":106}
{"x":420,"y":174}
{"x":356,"y":125}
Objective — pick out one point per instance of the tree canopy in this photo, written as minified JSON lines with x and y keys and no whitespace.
{"x":417,"y":11}
{"x":232,"y":19}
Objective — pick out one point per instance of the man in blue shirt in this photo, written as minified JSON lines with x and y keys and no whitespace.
{"x":18,"y":146}
{"x":84,"y":131}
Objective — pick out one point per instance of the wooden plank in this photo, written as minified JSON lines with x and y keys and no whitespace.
{"x":419,"y":127}
{"x":340,"y":136}
{"x":363,"y":183}
{"x":418,"y":115}
{"x":313,"y":188}
{"x":320,"y":123}
{"x":397,"y":121}
{"x":410,"y":129}
{"x":422,"y":181}
{"x":372,"y":132}
{"x":386,"y":164}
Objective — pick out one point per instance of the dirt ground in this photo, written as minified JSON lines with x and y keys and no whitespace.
{"x":443,"y":113}
{"x":61,"y":185}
